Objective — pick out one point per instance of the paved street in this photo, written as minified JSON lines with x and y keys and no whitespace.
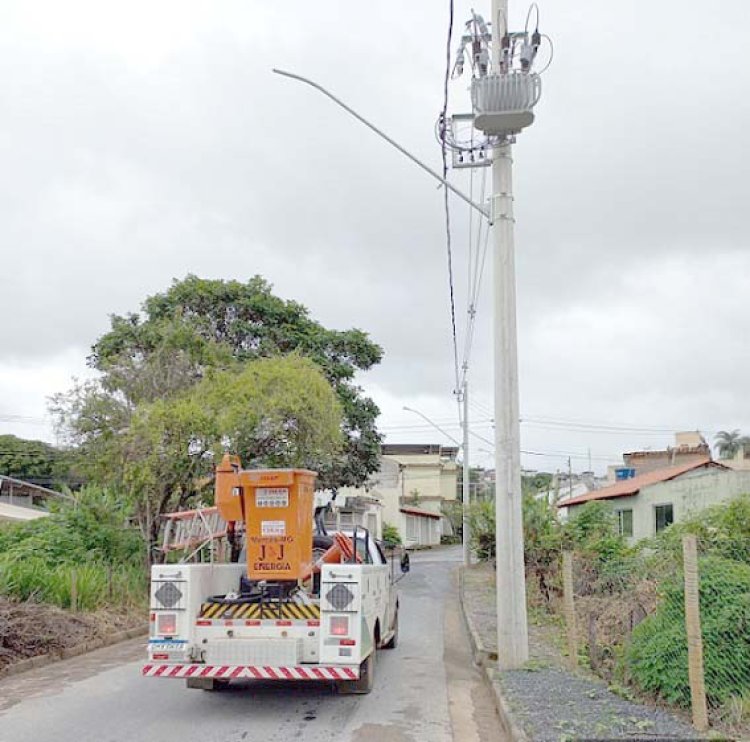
{"x":426,"y":690}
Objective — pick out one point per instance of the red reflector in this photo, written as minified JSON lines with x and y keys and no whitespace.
{"x":153,"y":617}
{"x":283,"y":623}
{"x":228,"y":623}
{"x":166,"y":624}
{"x":160,"y":656}
{"x":252,"y":622}
{"x":203,"y":622}
{"x":339,"y":625}
{"x":347,"y":642}
{"x":313,"y":622}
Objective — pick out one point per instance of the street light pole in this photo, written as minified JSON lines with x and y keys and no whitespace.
{"x":512,"y":630}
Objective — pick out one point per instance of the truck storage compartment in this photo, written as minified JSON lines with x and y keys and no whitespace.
{"x":273,"y":652}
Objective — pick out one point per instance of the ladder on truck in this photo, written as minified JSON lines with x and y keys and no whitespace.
{"x":192,"y":530}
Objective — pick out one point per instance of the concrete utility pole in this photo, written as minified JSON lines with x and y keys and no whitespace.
{"x":512,"y":629}
{"x":502,"y":103}
{"x":467,"y":480}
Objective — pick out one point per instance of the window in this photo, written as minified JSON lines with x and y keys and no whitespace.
{"x":625,"y":522}
{"x":664,"y":516}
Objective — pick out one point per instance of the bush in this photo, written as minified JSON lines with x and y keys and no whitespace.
{"x":482,"y":527}
{"x":657,"y":653}
{"x":723,"y":529}
{"x":88,"y":536}
{"x":391,"y":536}
{"x":92,"y":526}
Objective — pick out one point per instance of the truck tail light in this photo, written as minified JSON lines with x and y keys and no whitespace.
{"x":339,"y":625}
{"x":166,"y":624}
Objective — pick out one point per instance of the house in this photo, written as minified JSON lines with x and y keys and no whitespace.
{"x":690,"y":447}
{"x":647,"y":503}
{"x":20,"y":500}
{"x":350,"y":510}
{"x":741,"y":460}
{"x":413,"y":483}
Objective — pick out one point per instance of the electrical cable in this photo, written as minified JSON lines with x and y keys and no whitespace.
{"x":551,"y":54}
{"x":528,"y":16}
{"x":446,"y":203}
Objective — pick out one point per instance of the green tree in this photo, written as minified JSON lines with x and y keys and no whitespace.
{"x":275,"y":412}
{"x":728,"y":443}
{"x":199,"y":324}
{"x":33,"y":461}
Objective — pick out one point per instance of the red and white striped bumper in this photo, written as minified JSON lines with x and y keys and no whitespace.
{"x":237,"y":672}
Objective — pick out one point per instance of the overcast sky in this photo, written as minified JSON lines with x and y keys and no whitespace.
{"x":143,"y":141}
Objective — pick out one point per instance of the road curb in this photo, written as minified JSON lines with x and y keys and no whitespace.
{"x":41,"y":660}
{"x":485,"y":659}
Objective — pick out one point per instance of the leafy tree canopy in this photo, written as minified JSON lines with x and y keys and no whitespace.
{"x":33,"y":461}
{"x":275,"y":412}
{"x":199,"y":324}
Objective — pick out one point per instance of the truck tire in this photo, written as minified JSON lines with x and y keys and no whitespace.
{"x":211,"y":684}
{"x":393,"y":641}
{"x":366,"y":680}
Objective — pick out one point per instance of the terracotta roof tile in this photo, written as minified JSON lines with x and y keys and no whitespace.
{"x":419,"y":511}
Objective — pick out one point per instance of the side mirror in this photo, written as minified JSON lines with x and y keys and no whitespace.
{"x":405,"y":566}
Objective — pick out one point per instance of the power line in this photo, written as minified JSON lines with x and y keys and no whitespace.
{"x":446,"y":204}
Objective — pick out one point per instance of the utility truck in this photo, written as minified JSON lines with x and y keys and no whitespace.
{"x":292,"y":603}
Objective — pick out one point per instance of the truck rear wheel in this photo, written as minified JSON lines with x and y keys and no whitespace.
{"x":366,"y":680}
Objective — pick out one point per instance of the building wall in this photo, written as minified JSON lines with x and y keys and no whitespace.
{"x":646,"y":461}
{"x":741,"y":461}
{"x":688,"y":494}
{"x":420,"y":531}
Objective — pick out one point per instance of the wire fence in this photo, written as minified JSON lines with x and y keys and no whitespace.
{"x":669,"y":623}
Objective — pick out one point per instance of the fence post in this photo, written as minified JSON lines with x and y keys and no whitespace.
{"x":569,"y":609}
{"x":73,"y":590}
{"x":694,"y":638}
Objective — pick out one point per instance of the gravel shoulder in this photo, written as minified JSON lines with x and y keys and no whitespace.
{"x":548,"y":702}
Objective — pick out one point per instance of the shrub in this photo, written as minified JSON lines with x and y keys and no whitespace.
{"x":482,"y":526}
{"x":657,"y":653}
{"x":88,"y":536}
{"x":391,"y":536}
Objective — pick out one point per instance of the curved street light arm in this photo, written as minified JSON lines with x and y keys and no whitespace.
{"x":434,"y":425}
{"x":484,"y":212}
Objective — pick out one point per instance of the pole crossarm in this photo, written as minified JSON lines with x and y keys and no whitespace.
{"x":481,"y":209}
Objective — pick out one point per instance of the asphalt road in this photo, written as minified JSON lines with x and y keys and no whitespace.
{"x":426,"y":690}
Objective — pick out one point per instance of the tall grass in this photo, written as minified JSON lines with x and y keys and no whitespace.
{"x":96,"y":585}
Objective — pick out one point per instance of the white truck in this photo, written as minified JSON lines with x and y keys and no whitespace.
{"x":210,"y":625}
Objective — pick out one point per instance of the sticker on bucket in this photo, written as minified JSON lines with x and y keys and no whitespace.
{"x":273,"y":528}
{"x":272,"y":497}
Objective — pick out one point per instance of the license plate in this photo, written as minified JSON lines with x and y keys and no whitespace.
{"x":164,"y":647}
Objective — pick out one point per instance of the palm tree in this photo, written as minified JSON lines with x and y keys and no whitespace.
{"x":728,"y":443}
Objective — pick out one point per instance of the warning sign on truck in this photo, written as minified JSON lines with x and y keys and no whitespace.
{"x":273,"y":528}
{"x":272,"y":497}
